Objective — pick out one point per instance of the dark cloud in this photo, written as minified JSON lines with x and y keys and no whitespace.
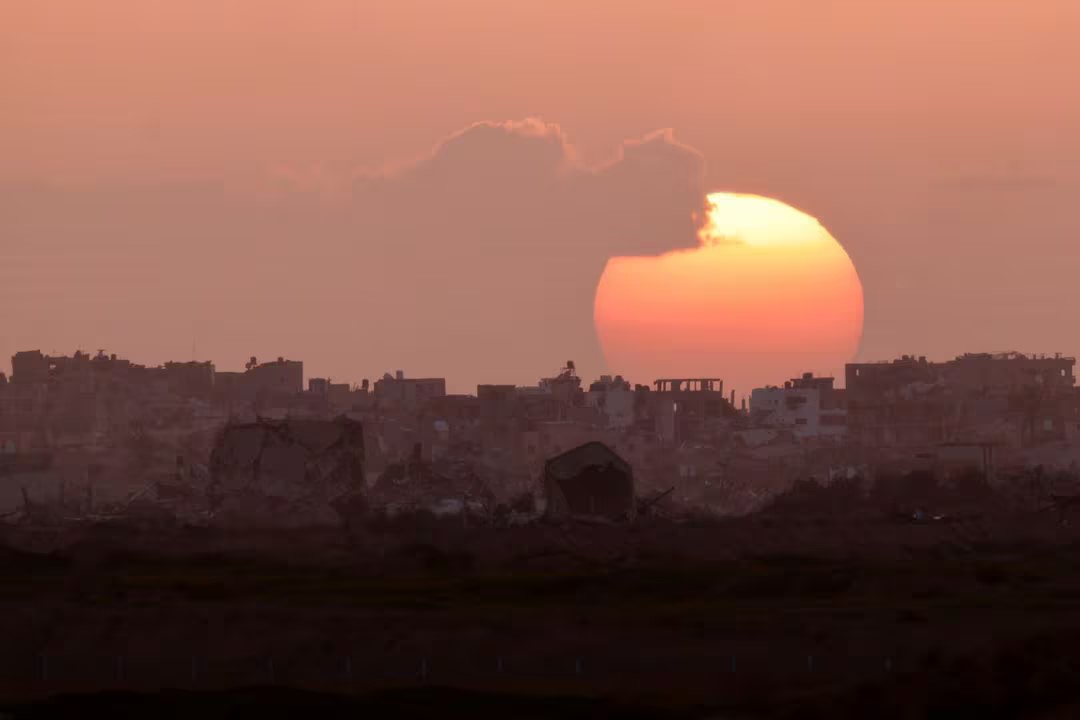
{"x":479,"y":261}
{"x":496,"y":242}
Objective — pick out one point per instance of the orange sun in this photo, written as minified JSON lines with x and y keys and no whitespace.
{"x":767,"y":295}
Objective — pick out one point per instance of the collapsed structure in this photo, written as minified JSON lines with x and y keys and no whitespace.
{"x":113,"y":435}
{"x":290,"y":472}
{"x":589,"y":480}
{"x":419,"y":485}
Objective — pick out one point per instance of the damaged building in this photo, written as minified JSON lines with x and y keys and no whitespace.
{"x":290,"y":472}
{"x":1009,"y":398}
{"x":811,"y":407}
{"x":690,"y":409}
{"x":589,"y":480}
{"x":417,"y":484}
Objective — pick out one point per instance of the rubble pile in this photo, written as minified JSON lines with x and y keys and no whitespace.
{"x":441,"y":487}
{"x":285,"y":473}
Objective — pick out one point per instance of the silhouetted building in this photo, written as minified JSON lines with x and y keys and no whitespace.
{"x":398,"y":393}
{"x":23,"y":414}
{"x":280,"y":377}
{"x":1006,"y":397}
{"x":261,"y":388}
{"x":689,"y":409}
{"x":565,"y":387}
{"x":589,"y":480}
{"x":1008,"y":373}
{"x":497,"y":406}
{"x":286,"y":473}
{"x":190,"y":379}
{"x":614,"y":399}
{"x":230,"y":390}
{"x":29,"y":366}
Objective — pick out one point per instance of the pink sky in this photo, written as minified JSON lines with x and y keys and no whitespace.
{"x":936,"y":140}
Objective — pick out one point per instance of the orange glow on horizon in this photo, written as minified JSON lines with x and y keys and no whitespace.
{"x":767,"y":295}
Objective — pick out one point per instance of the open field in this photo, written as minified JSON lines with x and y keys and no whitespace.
{"x":761,"y":616}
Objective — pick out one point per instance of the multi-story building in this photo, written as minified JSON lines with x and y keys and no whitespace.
{"x":689,"y":410}
{"x":399,"y":394}
{"x":263,"y":388}
{"x":277,"y":378}
{"x":190,"y":379}
{"x":29,"y":366}
{"x":1008,"y":398}
{"x":810,"y":406}
{"x":614,"y":398}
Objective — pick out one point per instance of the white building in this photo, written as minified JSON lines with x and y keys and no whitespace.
{"x":809,"y":406}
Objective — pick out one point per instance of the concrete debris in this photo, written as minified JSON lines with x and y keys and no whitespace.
{"x":444,"y":487}
{"x":98,"y":438}
{"x":285,"y":473}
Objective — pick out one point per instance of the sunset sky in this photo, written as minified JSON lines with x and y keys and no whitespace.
{"x":767,"y":290}
{"x":260,"y":177}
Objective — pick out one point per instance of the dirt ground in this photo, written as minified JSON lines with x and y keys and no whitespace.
{"x":787,"y":613}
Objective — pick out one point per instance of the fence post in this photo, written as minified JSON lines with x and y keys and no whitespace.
{"x":348,"y":668}
{"x":810,"y":663}
{"x":119,"y":668}
{"x":270,"y":667}
{"x":578,"y":666}
{"x":194,"y":669}
{"x":423,"y":670}
{"x":499,"y":664}
{"x":44,"y":667}
{"x":733,"y":663}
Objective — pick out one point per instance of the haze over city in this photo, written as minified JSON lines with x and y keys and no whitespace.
{"x":354,"y":182}
{"x":687,"y":359}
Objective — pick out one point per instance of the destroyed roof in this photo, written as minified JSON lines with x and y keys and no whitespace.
{"x":572,"y":462}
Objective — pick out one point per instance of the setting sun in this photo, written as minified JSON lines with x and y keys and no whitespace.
{"x":769,"y":293}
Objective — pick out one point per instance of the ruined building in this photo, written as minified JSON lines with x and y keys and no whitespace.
{"x":614,"y":398}
{"x":292,"y":472}
{"x":1008,"y":398}
{"x":810,"y":406}
{"x":399,"y":394}
{"x":690,"y":409}
{"x":590,"y":480}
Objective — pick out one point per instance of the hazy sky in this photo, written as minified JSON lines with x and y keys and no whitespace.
{"x":159,"y":157}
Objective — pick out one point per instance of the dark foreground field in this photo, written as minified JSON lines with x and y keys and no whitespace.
{"x":759,"y":617}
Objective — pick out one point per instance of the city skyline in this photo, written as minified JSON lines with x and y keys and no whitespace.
{"x":564,"y":358}
{"x":380,"y":212}
{"x":366,"y":380}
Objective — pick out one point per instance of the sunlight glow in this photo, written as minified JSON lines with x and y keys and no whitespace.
{"x":758,"y":220}
{"x":768,"y":295}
